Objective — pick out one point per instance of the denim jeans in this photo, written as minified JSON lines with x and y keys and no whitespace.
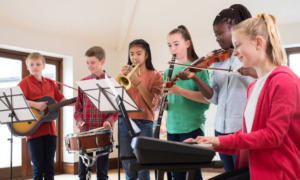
{"x":127,"y":151}
{"x":101,"y":167}
{"x":180,"y":138}
{"x":42,"y":152}
{"x":228,"y":160}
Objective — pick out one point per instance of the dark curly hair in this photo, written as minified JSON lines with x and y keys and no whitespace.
{"x":233,"y":15}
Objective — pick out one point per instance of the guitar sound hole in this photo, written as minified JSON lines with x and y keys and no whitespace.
{"x":44,"y":113}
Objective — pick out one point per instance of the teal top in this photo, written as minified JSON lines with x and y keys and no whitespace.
{"x":185,"y":115}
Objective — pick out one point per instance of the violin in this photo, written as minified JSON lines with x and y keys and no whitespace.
{"x":203,"y":63}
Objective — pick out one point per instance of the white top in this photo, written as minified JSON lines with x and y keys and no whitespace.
{"x":230,"y":94}
{"x":252,"y":101}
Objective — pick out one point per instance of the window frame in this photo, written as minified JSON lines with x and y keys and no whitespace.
{"x":290,"y":51}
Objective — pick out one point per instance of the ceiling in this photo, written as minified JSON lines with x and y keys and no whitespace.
{"x":116,"y":22}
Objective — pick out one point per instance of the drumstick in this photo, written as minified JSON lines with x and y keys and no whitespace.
{"x":96,"y":129}
{"x":82,"y":124}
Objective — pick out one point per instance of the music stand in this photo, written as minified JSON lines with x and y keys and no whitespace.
{"x":14,"y":109}
{"x":110,"y":97}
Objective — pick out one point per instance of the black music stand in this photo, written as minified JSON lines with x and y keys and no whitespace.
{"x":109,"y":97}
{"x":14,"y":109}
{"x":131,"y":126}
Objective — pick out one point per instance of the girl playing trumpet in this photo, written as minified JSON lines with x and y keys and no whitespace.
{"x":147,"y":83}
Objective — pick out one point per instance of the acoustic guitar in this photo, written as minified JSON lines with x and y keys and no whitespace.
{"x":49,"y":114}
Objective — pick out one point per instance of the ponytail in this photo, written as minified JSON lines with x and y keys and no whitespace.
{"x":277,"y":52}
{"x":265,"y":25}
{"x":191,"y":54}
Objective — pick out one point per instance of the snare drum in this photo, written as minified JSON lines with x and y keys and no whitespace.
{"x":90,"y":140}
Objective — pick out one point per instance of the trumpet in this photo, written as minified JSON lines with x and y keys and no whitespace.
{"x":124,"y":80}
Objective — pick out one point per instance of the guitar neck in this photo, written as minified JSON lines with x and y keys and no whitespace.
{"x":61,"y":104}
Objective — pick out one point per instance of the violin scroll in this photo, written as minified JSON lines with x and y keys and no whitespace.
{"x":203,"y":63}
{"x":216,"y":56}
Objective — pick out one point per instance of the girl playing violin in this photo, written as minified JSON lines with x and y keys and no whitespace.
{"x":228,"y":91}
{"x":269,"y":141}
{"x":186,"y":105}
{"x":146,"y":84}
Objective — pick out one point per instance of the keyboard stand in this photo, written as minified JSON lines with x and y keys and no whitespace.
{"x":188,"y":167}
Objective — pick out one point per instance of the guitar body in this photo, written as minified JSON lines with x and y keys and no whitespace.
{"x":27,"y":128}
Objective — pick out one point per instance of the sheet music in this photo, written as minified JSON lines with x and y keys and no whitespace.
{"x":19,"y":103}
{"x":90,"y":87}
{"x":112,"y":87}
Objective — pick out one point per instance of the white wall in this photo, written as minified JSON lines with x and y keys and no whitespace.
{"x":290,"y":35}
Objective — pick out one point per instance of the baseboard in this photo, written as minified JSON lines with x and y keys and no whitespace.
{"x":72,"y":168}
{"x":113,"y":163}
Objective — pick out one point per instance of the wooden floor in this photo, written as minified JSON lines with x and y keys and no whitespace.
{"x":113,"y":175}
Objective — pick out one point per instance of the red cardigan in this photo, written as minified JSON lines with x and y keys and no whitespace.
{"x":272,"y":149}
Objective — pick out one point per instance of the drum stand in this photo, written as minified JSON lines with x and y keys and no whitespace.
{"x":111,"y":96}
{"x":89,"y":161}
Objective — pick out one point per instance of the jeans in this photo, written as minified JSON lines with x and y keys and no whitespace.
{"x":127,"y":151}
{"x":228,"y":160}
{"x":180,"y":138}
{"x":101,"y":167}
{"x":42,"y":152}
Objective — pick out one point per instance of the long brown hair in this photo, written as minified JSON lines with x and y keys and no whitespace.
{"x":191,"y":54}
{"x":142,"y":44}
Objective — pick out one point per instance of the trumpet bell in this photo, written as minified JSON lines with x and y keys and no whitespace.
{"x":124,"y":81}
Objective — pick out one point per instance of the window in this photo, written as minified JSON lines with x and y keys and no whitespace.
{"x":293,"y":55}
{"x":10,"y":75}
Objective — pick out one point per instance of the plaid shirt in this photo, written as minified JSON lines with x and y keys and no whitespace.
{"x":87,"y":112}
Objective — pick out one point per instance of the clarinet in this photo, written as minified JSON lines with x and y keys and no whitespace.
{"x":163,"y":101}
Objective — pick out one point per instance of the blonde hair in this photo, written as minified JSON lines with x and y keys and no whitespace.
{"x":265,"y":25}
{"x":35,"y":56}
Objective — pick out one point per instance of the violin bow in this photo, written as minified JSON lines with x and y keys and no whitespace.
{"x":230,"y":71}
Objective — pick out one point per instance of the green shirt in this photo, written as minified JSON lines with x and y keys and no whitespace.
{"x":185,"y":115}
